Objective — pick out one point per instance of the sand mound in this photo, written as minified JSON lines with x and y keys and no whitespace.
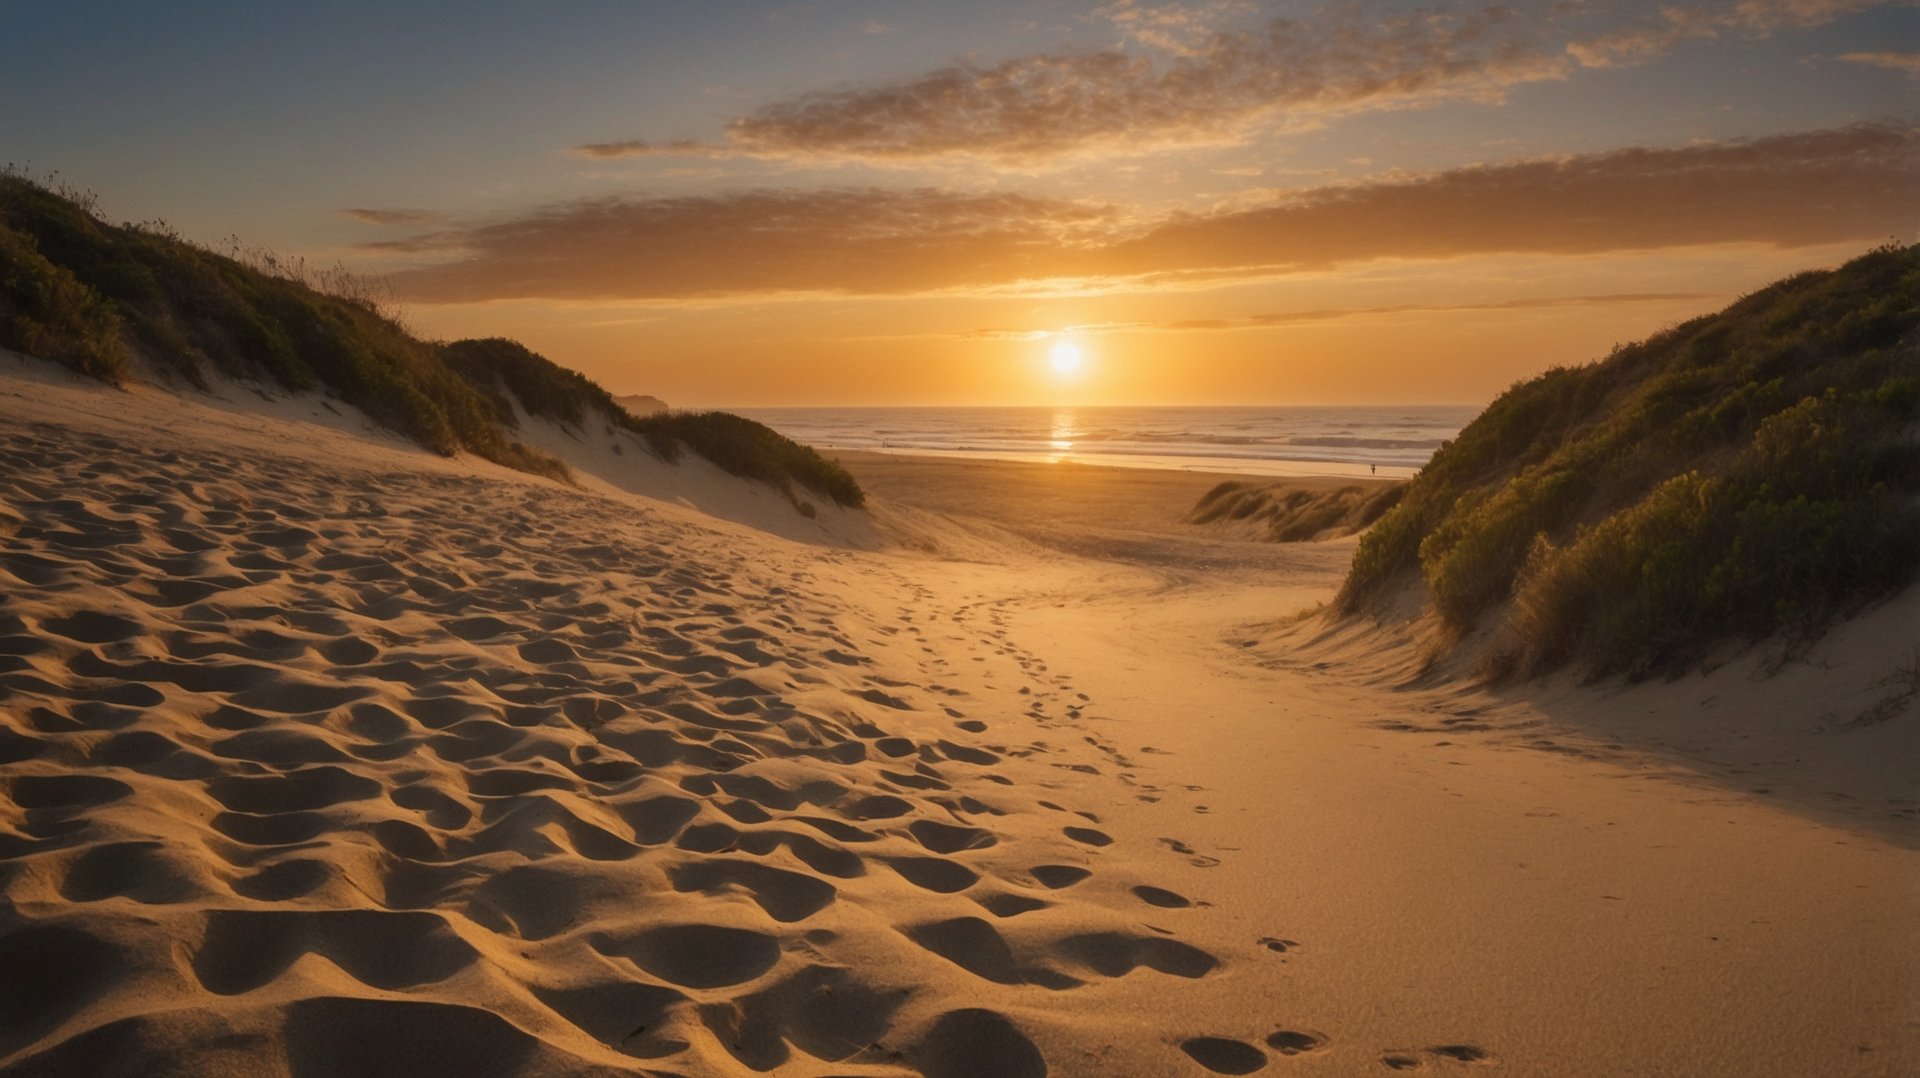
{"x":309,"y":769}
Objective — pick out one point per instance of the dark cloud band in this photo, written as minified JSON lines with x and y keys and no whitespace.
{"x":1853,"y":183}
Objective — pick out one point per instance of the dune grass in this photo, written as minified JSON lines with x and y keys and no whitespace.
{"x":45,"y":311}
{"x":91,"y":295}
{"x":751,"y":450}
{"x":1750,"y":472}
{"x":191,"y":311}
{"x":1292,"y":515}
{"x":740,"y":446}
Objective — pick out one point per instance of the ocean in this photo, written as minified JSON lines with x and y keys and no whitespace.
{"x":1340,"y":441}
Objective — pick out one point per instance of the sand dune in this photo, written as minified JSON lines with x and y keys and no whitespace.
{"x":340,"y":771}
{"x":325,"y":756}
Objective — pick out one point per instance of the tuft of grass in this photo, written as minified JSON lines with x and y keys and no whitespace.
{"x":1293,"y":515}
{"x":1750,"y":472}
{"x":496,"y":366}
{"x":192,"y":311}
{"x":752,"y":450}
{"x":45,"y":311}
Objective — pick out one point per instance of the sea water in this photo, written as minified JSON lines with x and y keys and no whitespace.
{"x":1343,"y":441}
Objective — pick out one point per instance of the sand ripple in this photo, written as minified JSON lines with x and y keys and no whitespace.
{"x":321,"y":771}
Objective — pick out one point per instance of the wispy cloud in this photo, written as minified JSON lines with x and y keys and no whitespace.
{"x":641,"y":148}
{"x":1047,"y":104}
{"x":1179,"y":28}
{"x":1906,"y":62}
{"x":1788,"y":190}
{"x":1209,"y":72}
{"x":1676,"y":24}
{"x":858,"y":241}
{"x":1331,"y":314}
{"x":390,"y":217}
{"x":1853,"y":183}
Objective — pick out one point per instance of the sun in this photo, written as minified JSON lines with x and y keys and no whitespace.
{"x":1065,"y":357}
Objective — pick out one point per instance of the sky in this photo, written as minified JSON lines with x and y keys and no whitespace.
{"x":915,"y":203}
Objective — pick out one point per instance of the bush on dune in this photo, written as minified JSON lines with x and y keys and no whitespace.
{"x":190,"y":310}
{"x":496,"y":366}
{"x":45,"y":311}
{"x":1747,"y":473}
{"x":738,"y":445}
{"x":748,"y":449}
{"x":88,"y":294}
{"x":1293,"y":515}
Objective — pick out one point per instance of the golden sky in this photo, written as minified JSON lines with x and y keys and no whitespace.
{"x":1222,"y":201}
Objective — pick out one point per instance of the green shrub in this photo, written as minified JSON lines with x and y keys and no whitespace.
{"x":494,"y":367}
{"x":45,"y":311}
{"x":78,"y":290}
{"x":1746,"y":473}
{"x":544,"y":387}
{"x":1293,"y":515}
{"x":752,"y":450}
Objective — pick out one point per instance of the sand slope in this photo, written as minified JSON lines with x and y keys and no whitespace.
{"x":314,"y":769}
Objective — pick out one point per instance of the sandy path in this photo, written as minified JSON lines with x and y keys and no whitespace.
{"x":1560,"y":914}
{"x":1451,"y":877}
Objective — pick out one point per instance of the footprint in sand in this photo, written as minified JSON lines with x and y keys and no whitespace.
{"x":1161,"y":897}
{"x":974,"y":1042}
{"x":1462,"y":1053}
{"x":1088,"y":835}
{"x":1290,"y":1042}
{"x":1223,"y":1055}
{"x":1197,"y":860}
{"x":696,"y":955}
{"x":1055,"y":877}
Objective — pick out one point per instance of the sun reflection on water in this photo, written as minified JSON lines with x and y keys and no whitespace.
{"x":1064,"y":431}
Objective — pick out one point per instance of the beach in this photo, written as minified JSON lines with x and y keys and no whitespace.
{"x":1355,"y":441}
{"x":324,"y":754}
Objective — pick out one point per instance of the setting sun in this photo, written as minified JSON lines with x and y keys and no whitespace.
{"x":1065,"y":357}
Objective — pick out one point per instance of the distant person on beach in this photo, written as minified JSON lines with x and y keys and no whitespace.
{"x":1374,"y":468}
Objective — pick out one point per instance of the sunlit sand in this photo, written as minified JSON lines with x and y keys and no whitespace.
{"x":374,"y":762}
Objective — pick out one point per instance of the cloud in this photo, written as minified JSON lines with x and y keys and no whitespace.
{"x":640,"y":148}
{"x":1180,"y":28}
{"x":1047,"y":104}
{"x":391,"y":217}
{"x":1789,"y":190}
{"x":1326,"y":314}
{"x":1288,"y":318}
{"x":1675,"y":25}
{"x":1906,"y":62}
{"x":1853,"y":183}
{"x":1206,"y":72}
{"x":858,"y":241}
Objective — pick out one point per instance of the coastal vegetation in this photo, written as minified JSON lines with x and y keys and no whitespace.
{"x":496,"y":366}
{"x":1285,"y":513}
{"x":1748,"y":473}
{"x":94,"y":296}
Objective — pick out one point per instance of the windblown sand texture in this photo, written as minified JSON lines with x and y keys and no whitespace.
{"x":465,"y":777}
{"x":321,"y":756}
